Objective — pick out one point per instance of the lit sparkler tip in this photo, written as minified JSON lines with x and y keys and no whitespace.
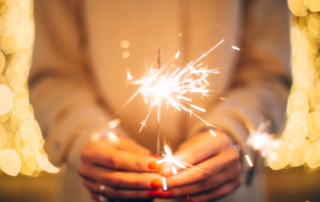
{"x":177,"y":55}
{"x":249,"y":160}
{"x":171,"y":88}
{"x":260,"y":140}
{"x":164,"y":183}
{"x":213,"y":133}
{"x":235,"y":48}
{"x":198,"y":108}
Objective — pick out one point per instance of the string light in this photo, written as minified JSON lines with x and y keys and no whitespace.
{"x":20,"y":136}
{"x":299,"y":144}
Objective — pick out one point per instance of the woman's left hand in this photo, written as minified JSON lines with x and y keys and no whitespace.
{"x":216,"y":170}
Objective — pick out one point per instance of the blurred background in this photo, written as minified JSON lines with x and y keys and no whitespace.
{"x":291,"y":172}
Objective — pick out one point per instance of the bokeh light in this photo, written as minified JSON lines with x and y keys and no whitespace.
{"x":301,"y":136}
{"x":20,"y":135}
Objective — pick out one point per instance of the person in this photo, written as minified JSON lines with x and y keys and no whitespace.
{"x":77,"y":84}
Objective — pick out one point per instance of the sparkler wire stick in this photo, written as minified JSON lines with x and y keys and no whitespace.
{"x":159,"y":109}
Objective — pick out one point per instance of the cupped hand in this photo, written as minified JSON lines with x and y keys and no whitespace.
{"x":216,"y":170}
{"x":125,"y":168}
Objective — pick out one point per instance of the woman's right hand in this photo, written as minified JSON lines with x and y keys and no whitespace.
{"x":125,"y":168}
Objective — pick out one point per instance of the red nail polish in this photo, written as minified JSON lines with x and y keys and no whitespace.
{"x":166,"y":194}
{"x":153,"y":166}
{"x":155,"y":156}
{"x":155,"y":193}
{"x":157,"y":183}
{"x":184,"y":200}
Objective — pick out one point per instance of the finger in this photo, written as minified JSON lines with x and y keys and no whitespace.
{"x":217,"y":193}
{"x":131,"y":146}
{"x":213,"y":182}
{"x":201,"y":150}
{"x":113,"y":193}
{"x":205,"y":169}
{"x":96,"y":197}
{"x":116,"y":159}
{"x":119,"y":179}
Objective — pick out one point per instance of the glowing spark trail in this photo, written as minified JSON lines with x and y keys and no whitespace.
{"x":173,"y":88}
{"x":213,"y":133}
{"x":235,"y":48}
{"x":177,"y":55}
{"x":164,"y":183}
{"x":174,"y":170}
{"x":249,"y":160}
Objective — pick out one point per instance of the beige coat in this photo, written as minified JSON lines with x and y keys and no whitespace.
{"x":77,"y":80}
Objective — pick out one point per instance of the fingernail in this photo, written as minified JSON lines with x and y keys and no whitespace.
{"x":155,"y":193}
{"x":157,"y":183}
{"x":166,"y":194}
{"x":155,"y":156}
{"x":153,"y":166}
{"x":184,"y":200}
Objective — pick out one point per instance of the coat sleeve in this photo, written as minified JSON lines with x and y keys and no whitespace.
{"x":262,"y":81}
{"x":64,"y":99}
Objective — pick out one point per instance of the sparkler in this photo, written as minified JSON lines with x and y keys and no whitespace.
{"x":172,"y":162}
{"x":159,"y":108}
{"x":261,"y":140}
{"x":172,"y":88}
{"x":169,"y":159}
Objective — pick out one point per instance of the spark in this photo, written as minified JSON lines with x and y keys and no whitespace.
{"x":198,"y":108}
{"x":129,"y":77}
{"x":235,"y":48}
{"x":159,"y":86}
{"x":213,"y":133}
{"x":174,"y":170}
{"x":177,"y":55}
{"x":249,"y":160}
{"x":113,"y":137}
{"x":164,"y":183}
{"x":114,"y":123}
